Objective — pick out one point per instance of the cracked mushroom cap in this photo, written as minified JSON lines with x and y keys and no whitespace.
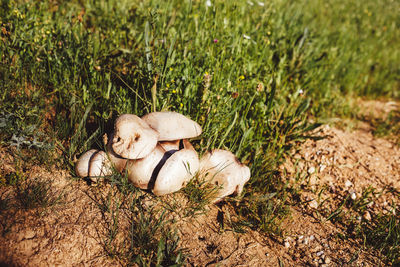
{"x":82,"y":165}
{"x":224,"y":169}
{"x":133,"y":138}
{"x":177,"y":171}
{"x":172,"y":125}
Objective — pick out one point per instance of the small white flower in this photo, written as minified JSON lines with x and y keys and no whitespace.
{"x":226,"y":21}
{"x":260,"y":3}
{"x":301,"y":92}
{"x":250,"y":3}
{"x":246,"y":37}
{"x":208,"y":3}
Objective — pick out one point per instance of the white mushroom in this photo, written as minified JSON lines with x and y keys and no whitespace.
{"x":82,"y":166}
{"x":100,"y":165}
{"x":222,"y":168}
{"x":176,"y":145}
{"x":104,"y":163}
{"x":150,"y":171}
{"x":140,"y":171}
{"x":118,"y":162}
{"x":172,"y":125}
{"x":133,"y":138}
{"x":176,"y":172}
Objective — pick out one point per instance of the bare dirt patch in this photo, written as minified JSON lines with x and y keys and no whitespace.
{"x":343,"y":177}
{"x":63,"y":235}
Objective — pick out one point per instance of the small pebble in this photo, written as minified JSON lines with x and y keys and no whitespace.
{"x":311,"y":170}
{"x":320,"y":253}
{"x":313,"y":204}
{"x":313,"y":180}
{"x":327,"y":260}
{"x":367,"y":216}
{"x":332,"y":189}
{"x":353,"y":196}
{"x":312,"y":237}
{"x":287,"y":241}
{"x":322,"y":167}
{"x":348,"y":183}
{"x":30,"y":234}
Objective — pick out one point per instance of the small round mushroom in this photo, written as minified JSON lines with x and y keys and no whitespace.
{"x":172,"y":126}
{"x":82,"y":166}
{"x":176,"y":172}
{"x":223,"y":169}
{"x":133,"y":138}
{"x":100,"y":165}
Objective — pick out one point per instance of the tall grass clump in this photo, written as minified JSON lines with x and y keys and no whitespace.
{"x":135,"y":229}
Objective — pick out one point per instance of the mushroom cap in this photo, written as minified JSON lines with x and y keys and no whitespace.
{"x":176,"y":172}
{"x":144,"y":172}
{"x":100,"y":165}
{"x":172,"y":125}
{"x":82,"y":166}
{"x":224,"y":169}
{"x":133,"y":138}
{"x":140,"y":171}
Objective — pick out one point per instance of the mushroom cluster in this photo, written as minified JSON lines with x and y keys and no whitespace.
{"x":156,"y":155}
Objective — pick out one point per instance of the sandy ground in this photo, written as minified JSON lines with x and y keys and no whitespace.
{"x":339,"y":165}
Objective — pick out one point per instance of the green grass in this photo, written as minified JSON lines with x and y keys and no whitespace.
{"x":383,"y":233}
{"x":37,"y":194}
{"x":389,"y":127}
{"x":136,"y":229}
{"x":254,"y":76}
{"x":199,"y":194}
{"x":380,"y":232}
